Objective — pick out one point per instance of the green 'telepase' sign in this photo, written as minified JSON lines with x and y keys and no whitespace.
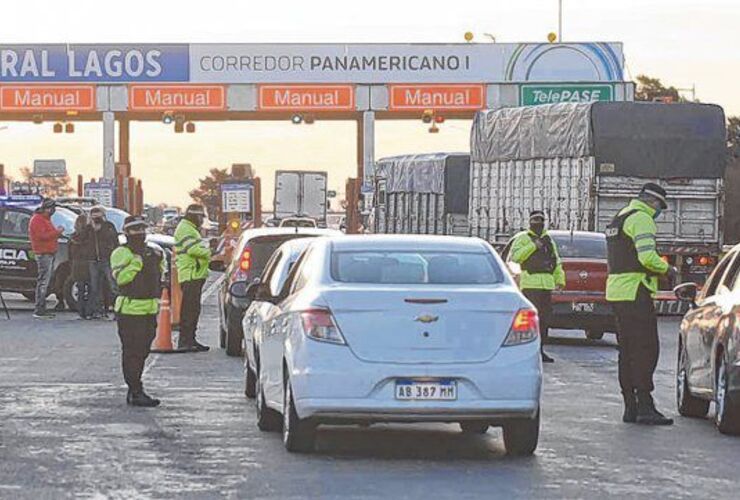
{"x":551,"y":94}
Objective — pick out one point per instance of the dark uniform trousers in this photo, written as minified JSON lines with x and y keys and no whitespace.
{"x":637,"y":337}
{"x":542,"y":300}
{"x":191,"y":295}
{"x":137,"y":334}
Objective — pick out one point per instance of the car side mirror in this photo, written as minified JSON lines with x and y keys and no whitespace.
{"x":239,"y":289}
{"x":217,"y":265}
{"x":687,"y":292}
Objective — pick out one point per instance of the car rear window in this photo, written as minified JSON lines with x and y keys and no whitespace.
{"x":415,"y":268}
{"x":576,"y":247}
{"x":263,"y":248}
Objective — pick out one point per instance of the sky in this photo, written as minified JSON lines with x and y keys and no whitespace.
{"x":685,"y":43}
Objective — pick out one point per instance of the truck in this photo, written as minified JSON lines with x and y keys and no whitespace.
{"x":581,"y":163}
{"x":300,"y":193}
{"x":421,"y":194}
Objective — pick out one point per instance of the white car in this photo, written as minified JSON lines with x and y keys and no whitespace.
{"x":396,"y":328}
{"x":298,"y":222}
{"x":275,"y":273}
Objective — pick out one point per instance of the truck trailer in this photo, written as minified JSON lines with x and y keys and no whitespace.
{"x":300,"y":193}
{"x":422,"y":194}
{"x":581,"y":163}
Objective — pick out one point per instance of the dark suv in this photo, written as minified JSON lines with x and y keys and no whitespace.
{"x":18,"y":269}
{"x":253,"y":250}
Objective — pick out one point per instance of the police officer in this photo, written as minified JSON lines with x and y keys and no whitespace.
{"x":192,"y":260}
{"x":137,"y":270}
{"x":634,"y":267}
{"x":542,"y":271}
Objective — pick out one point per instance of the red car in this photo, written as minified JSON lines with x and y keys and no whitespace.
{"x":582,"y":305}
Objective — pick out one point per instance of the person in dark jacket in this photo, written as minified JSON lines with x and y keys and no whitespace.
{"x":103,"y":240}
{"x":79,"y":257}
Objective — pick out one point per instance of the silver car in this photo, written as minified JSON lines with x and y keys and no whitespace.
{"x":370,"y":329}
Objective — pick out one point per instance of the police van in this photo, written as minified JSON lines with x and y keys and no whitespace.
{"x":18,"y":268}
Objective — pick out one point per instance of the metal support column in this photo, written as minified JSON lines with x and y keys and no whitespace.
{"x":123,"y":144}
{"x":109,"y":145}
{"x":366,"y":147}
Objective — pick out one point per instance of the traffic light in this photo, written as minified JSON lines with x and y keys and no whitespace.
{"x":69,"y":128}
{"x":58,"y":128}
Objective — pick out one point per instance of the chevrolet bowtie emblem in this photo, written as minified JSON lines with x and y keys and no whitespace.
{"x":427,"y":318}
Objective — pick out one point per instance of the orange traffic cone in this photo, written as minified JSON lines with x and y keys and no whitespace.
{"x":163,"y":341}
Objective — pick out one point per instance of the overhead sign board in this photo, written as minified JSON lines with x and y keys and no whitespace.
{"x":36,"y":98}
{"x":177,"y":97}
{"x":236,"y":197}
{"x":437,"y":97}
{"x":313,"y":63}
{"x":531,"y":95}
{"x":49,"y":168}
{"x":306,"y":97}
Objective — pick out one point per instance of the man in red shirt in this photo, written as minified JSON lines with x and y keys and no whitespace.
{"x":44,"y":244}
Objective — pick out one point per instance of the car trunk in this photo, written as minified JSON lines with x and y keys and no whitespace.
{"x":585,"y":275}
{"x":423,"y":324}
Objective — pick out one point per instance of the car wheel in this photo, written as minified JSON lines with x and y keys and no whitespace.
{"x":268,"y":420}
{"x":522,"y":435}
{"x":594,"y":334}
{"x":727,"y":417}
{"x":233,"y":334}
{"x":298,"y":435}
{"x":70,"y":293}
{"x":688,"y":405}
{"x":474,"y":427}
{"x":250,"y":382}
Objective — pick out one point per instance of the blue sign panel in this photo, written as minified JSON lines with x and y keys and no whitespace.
{"x":95,"y":63}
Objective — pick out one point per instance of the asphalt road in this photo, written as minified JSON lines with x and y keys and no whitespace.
{"x":65,"y":431}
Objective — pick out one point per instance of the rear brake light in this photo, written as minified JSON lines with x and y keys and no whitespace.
{"x":245,"y":260}
{"x":705,"y":261}
{"x":525,"y":328}
{"x":319,"y":324}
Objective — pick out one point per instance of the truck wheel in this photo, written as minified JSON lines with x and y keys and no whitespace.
{"x":521,"y":436}
{"x":71,"y":293}
{"x":594,"y":334}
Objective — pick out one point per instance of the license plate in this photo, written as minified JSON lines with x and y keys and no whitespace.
{"x":584,"y":307}
{"x":438,"y":390}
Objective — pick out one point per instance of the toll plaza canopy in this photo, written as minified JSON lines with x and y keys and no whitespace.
{"x":358,"y":82}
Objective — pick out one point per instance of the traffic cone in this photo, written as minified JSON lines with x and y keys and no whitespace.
{"x":163,"y":340}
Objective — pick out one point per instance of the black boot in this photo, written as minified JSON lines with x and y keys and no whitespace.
{"x":646,"y":412}
{"x":630,"y":408}
{"x":141,"y":399}
{"x":200,"y":347}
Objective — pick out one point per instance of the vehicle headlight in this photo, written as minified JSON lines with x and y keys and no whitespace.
{"x":524,"y":329}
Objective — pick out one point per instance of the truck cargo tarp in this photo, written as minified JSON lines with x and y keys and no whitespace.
{"x":631,"y":139}
{"x":414,"y":173}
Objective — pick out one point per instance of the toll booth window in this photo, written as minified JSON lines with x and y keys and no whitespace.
{"x":15,"y":224}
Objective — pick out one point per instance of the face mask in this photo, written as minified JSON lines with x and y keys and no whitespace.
{"x":537,"y":227}
{"x":137,"y":241}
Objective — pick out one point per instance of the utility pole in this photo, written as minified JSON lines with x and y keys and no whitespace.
{"x":560,"y":21}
